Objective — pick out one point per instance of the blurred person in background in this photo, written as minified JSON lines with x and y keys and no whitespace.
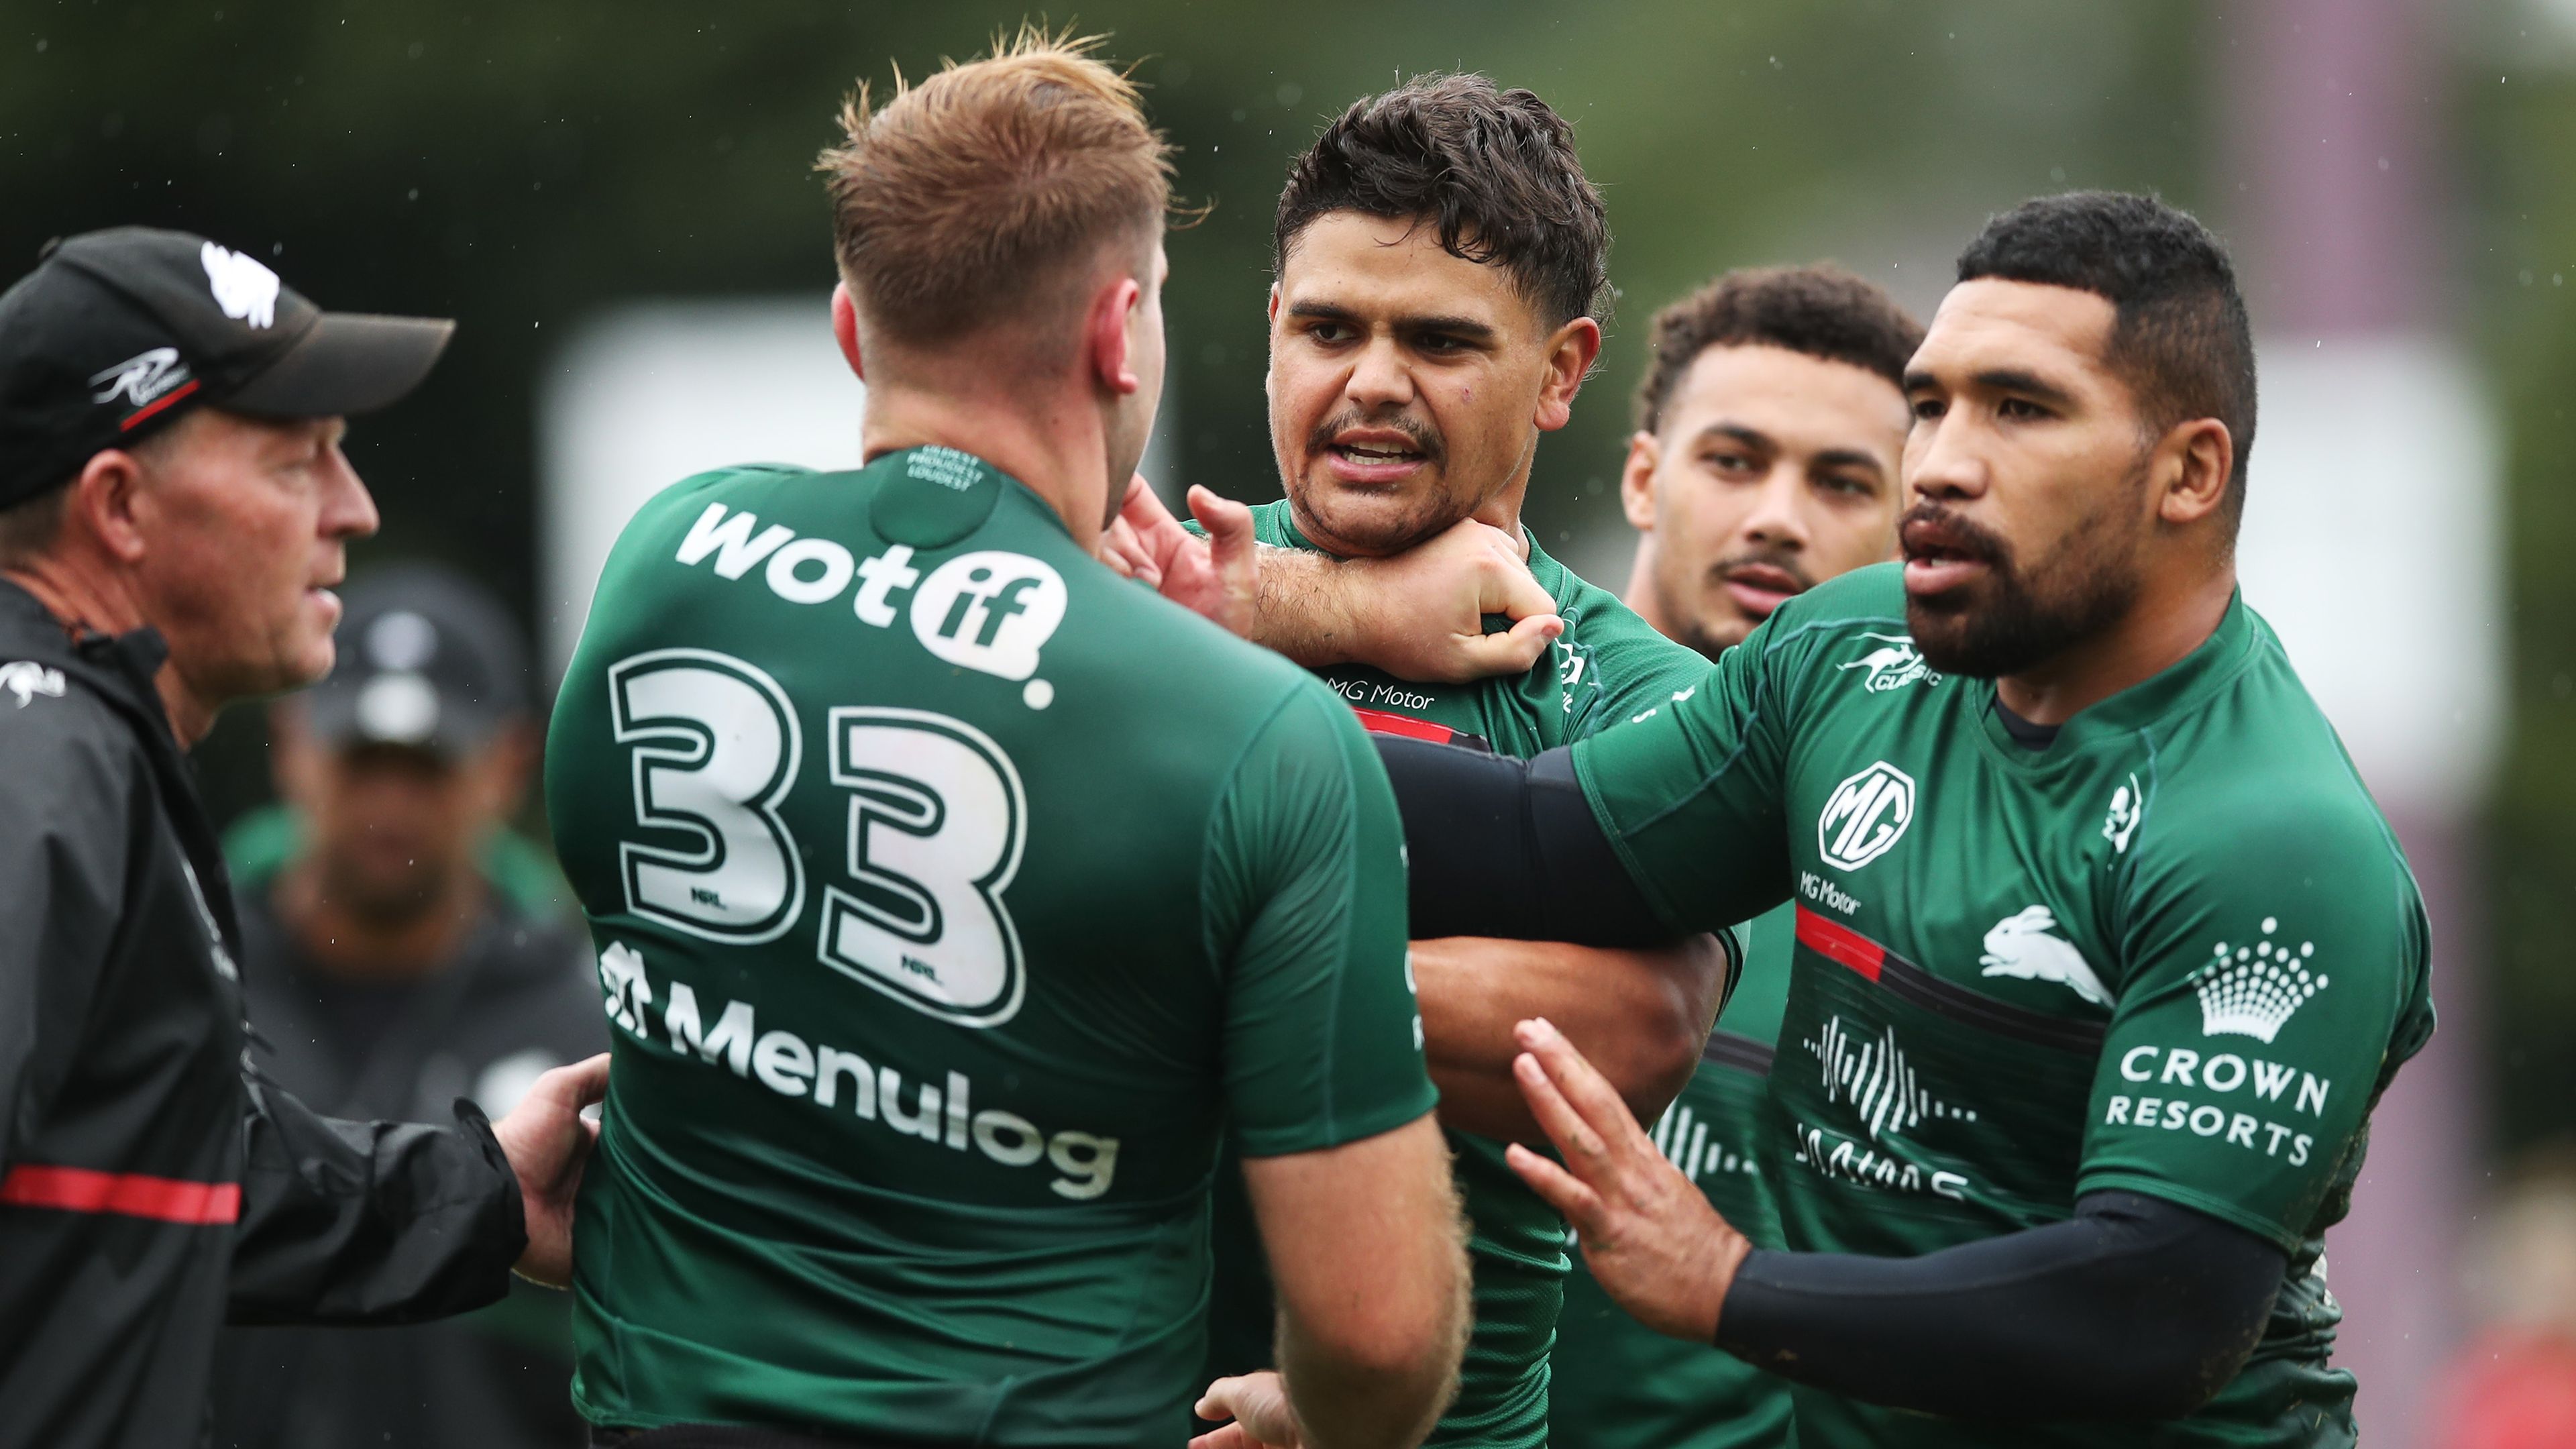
{"x":1770,"y":425}
{"x":403,"y":948}
{"x":2514,"y":1386}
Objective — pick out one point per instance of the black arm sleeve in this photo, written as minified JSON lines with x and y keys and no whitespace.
{"x":1509,"y":848}
{"x":2135,"y":1308}
{"x":369,"y":1222}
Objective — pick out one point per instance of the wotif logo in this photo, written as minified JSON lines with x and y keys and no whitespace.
{"x":1865,"y":815}
{"x":989,"y":611}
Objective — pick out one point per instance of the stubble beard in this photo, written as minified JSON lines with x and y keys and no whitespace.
{"x":1363,"y":528}
{"x":2015,"y":621}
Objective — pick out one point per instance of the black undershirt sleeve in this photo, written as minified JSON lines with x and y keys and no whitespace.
{"x":1509,"y":848}
{"x":2135,"y":1308}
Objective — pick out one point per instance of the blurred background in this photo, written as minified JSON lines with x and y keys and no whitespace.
{"x":617,"y":202}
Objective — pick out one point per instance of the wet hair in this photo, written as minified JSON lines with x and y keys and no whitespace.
{"x":1822,"y":311}
{"x":977,"y":195}
{"x":1493,"y":171}
{"x":2182,"y":341}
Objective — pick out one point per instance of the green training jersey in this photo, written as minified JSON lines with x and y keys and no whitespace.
{"x":1615,"y":1383}
{"x":1608,"y":666}
{"x":2177,"y":951}
{"x":945,"y":924}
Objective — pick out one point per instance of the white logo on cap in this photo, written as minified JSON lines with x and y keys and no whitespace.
{"x":399,"y":708}
{"x":401,"y":640}
{"x":140,"y":378}
{"x":246,"y":290}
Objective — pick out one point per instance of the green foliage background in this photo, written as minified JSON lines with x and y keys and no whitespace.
{"x":519,"y":166}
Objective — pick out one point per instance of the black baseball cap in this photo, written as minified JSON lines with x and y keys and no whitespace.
{"x":118,"y":332}
{"x":425,"y":659}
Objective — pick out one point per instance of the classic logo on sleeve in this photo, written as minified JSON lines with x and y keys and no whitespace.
{"x":1893,"y":664}
{"x":989,"y":611}
{"x":2019,"y":945}
{"x":2254,"y":990}
{"x":1865,"y":815}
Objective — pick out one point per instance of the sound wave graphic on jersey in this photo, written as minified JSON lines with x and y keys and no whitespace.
{"x":1876,"y":1079}
{"x":1682,"y":1136}
{"x":2254,"y":990}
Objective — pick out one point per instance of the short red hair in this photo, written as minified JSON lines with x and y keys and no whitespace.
{"x":972,"y":197}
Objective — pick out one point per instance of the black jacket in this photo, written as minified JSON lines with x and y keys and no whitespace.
{"x":151,"y":1185}
{"x":520,"y":995}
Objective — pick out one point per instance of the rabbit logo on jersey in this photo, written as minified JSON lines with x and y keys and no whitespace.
{"x":990,"y":611}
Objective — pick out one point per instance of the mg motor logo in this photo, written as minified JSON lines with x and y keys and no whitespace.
{"x":1867,"y":814}
{"x":989,"y":611}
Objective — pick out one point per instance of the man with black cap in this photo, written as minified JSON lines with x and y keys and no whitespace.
{"x":174,"y":508}
{"x":402,"y":946}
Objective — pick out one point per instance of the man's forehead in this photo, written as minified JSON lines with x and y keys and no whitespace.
{"x":1822,"y":402}
{"x":1352,"y":259}
{"x":1991,"y":322}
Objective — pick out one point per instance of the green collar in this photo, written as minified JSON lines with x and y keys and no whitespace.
{"x":932,"y":496}
{"x":2178,"y":688}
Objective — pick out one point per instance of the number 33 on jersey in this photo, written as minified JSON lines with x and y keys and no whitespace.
{"x":950,"y":893}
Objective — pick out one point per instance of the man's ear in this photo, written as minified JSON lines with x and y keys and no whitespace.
{"x":845,"y":328}
{"x":105,"y":503}
{"x":1104,"y":334}
{"x":1570,"y":355}
{"x":1637,"y":482}
{"x":2195,"y":462}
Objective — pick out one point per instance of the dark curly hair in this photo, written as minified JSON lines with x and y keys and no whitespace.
{"x":1822,"y":311}
{"x":1493,"y":170}
{"x":2181,"y":339}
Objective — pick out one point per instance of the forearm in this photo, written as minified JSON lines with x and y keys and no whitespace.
{"x":1345,"y":1405}
{"x":1367,"y":1252}
{"x":1302,"y":609}
{"x":2134,"y":1309}
{"x":1510,"y":848}
{"x":369,"y":1222}
{"x":1640,"y":1016}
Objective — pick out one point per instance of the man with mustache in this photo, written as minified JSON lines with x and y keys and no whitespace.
{"x":1770,"y":423}
{"x":1441,"y":267}
{"x":2103,"y":951}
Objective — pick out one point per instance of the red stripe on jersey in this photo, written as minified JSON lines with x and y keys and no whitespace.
{"x":157,"y":405}
{"x":130,"y":1194}
{"x":1840,"y":943}
{"x":1379,"y":722}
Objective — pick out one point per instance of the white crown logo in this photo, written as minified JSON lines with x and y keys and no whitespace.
{"x":2253,"y":990}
